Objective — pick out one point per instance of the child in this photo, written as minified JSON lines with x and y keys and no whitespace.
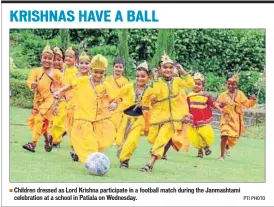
{"x":232,"y":102}
{"x":92,"y":129}
{"x":43,"y":81}
{"x":117,"y":81}
{"x":133,"y":123}
{"x":200,"y":132}
{"x":165,"y":118}
{"x":179,"y":140}
{"x":70,"y":73}
{"x":58,"y":127}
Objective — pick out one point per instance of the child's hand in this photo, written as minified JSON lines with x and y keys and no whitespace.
{"x":187,"y":119}
{"x":155,"y":73}
{"x":34,"y":85}
{"x":145,"y":133}
{"x":153,"y":100}
{"x":112,"y":106}
{"x":181,"y":69}
{"x":253,"y":97}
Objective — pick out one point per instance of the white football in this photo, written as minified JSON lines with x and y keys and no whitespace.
{"x":97,"y":164}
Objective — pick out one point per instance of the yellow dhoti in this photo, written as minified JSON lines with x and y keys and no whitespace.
{"x":159,"y":135}
{"x":180,"y":140}
{"x":201,"y":137}
{"x":58,"y":126}
{"x":128,"y":136}
{"x":90,"y":137}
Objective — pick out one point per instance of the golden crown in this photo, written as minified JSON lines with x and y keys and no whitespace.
{"x":70,"y":51}
{"x":47,"y":49}
{"x":234,"y":78}
{"x":143,"y":65}
{"x":99,"y":62}
{"x":57,"y":51}
{"x":199,"y":76}
{"x":166,"y":59}
{"x":84,"y":57}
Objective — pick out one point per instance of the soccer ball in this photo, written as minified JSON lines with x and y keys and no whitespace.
{"x":97,"y":164}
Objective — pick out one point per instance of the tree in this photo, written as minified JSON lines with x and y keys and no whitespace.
{"x":165,"y":44}
{"x":65,"y":38}
{"x":123,"y":51}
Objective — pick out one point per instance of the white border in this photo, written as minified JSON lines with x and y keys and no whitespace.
{"x":170,"y":16}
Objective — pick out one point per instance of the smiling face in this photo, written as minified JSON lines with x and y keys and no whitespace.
{"x":47,"y":60}
{"x":198,"y":85}
{"x":232,"y":86}
{"x":118,"y":69}
{"x":167,"y":70}
{"x":84,"y":67}
{"x":142,"y":78}
{"x":58,"y":62}
{"x":98,"y":75}
{"x":69,"y":59}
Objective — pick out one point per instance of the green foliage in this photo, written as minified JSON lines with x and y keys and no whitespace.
{"x":251,"y":82}
{"x":214,"y":83}
{"x":106,"y":50}
{"x":123,"y":51}
{"x":21,"y":96}
{"x":26,"y":47}
{"x":20,"y":74}
{"x":220,"y":50}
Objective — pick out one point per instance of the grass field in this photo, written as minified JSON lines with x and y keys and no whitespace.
{"x":247,"y":163}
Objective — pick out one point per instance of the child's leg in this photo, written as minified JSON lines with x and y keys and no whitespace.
{"x":58,"y":128}
{"x":129,"y":146}
{"x":36,"y":124}
{"x":207,"y":135}
{"x":165,"y":132}
{"x":223,"y":146}
{"x":84,"y":141}
{"x":166,"y":149}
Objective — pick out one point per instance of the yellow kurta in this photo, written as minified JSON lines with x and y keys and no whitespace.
{"x":131,"y":127}
{"x":70,"y":73}
{"x":232,"y":123}
{"x":117,"y":84}
{"x":41,"y":115}
{"x":166,"y":114}
{"x":92,"y":130}
{"x":180,"y":140}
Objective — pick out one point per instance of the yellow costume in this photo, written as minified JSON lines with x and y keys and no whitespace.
{"x":180,"y":140}
{"x":70,"y":74}
{"x":58,"y":126}
{"x":133,"y":123}
{"x":117,"y":84}
{"x":232,"y":123}
{"x":92,"y":129}
{"x":41,"y":115}
{"x":166,"y":115}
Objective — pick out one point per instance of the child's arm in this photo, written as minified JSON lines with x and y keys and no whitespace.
{"x":188,"y":81}
{"x":146,"y":103}
{"x":249,"y":102}
{"x":32,"y":80}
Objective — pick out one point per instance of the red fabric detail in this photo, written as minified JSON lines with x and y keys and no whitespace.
{"x":45,"y":126}
{"x":201,"y":116}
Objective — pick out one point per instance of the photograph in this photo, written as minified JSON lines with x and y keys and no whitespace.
{"x":137,"y":105}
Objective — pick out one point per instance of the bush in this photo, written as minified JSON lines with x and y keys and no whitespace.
{"x":21,"y":96}
{"x":106,"y":50}
{"x":214,"y":83}
{"x":20,"y":74}
{"x":251,"y":82}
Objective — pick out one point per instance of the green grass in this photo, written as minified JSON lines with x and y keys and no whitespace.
{"x":247,"y":163}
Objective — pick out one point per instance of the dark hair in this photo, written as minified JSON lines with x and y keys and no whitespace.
{"x":119,"y":60}
{"x":144,"y":69}
{"x":62,"y":51}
